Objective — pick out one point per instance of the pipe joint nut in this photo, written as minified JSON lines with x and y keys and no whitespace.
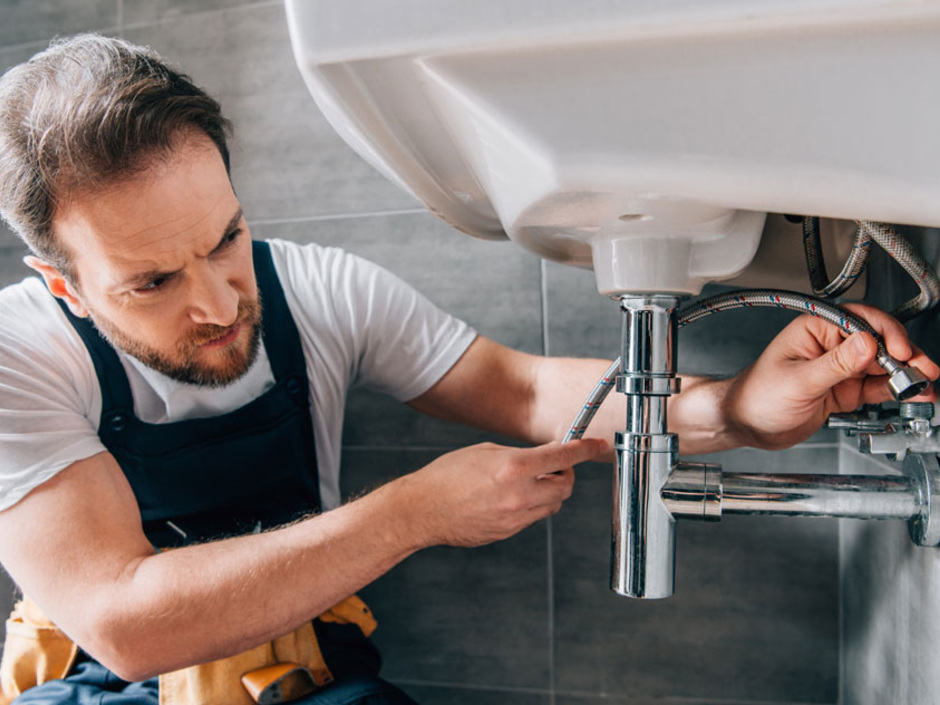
{"x":641,"y":385}
{"x":647,"y":442}
{"x":693,"y":491}
{"x":904,"y":382}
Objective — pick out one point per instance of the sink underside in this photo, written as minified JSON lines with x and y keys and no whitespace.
{"x":647,"y":142}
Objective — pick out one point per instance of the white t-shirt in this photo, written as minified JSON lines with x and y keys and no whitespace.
{"x":358,"y":325}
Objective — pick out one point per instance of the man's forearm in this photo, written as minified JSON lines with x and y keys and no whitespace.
{"x":697,"y":414}
{"x":76,"y":546}
{"x":200,"y":603}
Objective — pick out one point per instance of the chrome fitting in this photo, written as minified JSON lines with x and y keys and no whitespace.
{"x":694,"y":491}
{"x":904,"y":382}
{"x":924,"y":470}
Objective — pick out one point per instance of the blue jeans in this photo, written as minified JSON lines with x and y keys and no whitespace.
{"x":90,"y":683}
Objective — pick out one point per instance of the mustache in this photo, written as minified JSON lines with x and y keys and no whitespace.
{"x":248,"y":312}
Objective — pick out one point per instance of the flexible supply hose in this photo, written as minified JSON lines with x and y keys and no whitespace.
{"x":898,"y":248}
{"x":902,"y":252}
{"x":770,"y":298}
{"x":816,"y":264}
{"x":593,"y":403}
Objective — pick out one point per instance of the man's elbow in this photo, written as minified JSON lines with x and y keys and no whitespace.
{"x":128,"y":669}
{"x":120,"y":644}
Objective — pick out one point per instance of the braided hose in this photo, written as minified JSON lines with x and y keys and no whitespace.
{"x":902,"y":252}
{"x":908,"y":384}
{"x":815,"y":263}
{"x":593,"y":403}
{"x":778,"y":298}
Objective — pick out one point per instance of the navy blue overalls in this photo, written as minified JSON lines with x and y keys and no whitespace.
{"x":199,"y":479}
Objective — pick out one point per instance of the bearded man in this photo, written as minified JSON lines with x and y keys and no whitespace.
{"x":172,"y":401}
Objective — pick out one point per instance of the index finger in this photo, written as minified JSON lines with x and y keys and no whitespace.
{"x":559,"y":456}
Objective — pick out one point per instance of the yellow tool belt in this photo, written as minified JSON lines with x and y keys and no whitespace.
{"x":36,"y":651}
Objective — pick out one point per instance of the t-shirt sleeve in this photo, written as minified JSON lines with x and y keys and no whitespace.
{"x":45,"y":388}
{"x":394,"y":340}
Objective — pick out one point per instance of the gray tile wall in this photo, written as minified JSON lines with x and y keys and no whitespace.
{"x":890,"y":586}
{"x":528,"y":620}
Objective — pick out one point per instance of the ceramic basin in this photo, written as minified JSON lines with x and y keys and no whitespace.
{"x":646,"y":140}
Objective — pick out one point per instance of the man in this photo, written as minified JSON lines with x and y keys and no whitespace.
{"x":170,"y":384}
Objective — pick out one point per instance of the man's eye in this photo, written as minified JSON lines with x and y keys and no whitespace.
{"x":231,"y":237}
{"x":151,"y":286}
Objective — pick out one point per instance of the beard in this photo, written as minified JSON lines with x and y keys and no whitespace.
{"x":185,"y":365}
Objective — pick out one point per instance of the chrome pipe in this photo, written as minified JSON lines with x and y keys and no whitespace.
{"x":643,"y":533}
{"x":692,"y":490}
{"x":643,"y":539}
{"x":646,"y":414}
{"x":649,"y":335}
{"x":847,"y":496}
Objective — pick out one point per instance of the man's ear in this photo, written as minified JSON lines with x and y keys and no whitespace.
{"x":58,"y":285}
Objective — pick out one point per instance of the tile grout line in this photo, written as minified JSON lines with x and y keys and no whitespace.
{"x":550,"y":563}
{"x":203,"y":13}
{"x":436,"y":449}
{"x":840,"y":689}
{"x":468,"y":686}
{"x":37,"y":44}
{"x":666,"y":700}
{"x":335,"y":216}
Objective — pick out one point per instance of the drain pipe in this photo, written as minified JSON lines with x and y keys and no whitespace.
{"x":643,"y":538}
{"x":651,"y":488}
{"x":701,"y":491}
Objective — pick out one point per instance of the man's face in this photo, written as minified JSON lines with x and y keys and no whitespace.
{"x":163,"y":266}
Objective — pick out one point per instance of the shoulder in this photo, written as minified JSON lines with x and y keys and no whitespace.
{"x":37,"y":339}
{"x":49,"y":392}
{"x":332,"y":278}
{"x":30,"y":316}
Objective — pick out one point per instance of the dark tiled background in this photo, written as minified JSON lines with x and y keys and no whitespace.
{"x":529,"y":620}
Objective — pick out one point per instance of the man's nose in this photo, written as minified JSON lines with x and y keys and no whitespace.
{"x":213,"y":300}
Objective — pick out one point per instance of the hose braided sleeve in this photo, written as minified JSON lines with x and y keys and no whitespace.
{"x":816,"y":265}
{"x":779,"y":298}
{"x":902,"y":252}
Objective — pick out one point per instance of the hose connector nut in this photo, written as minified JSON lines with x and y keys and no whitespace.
{"x":904,"y":382}
{"x":907,"y":382}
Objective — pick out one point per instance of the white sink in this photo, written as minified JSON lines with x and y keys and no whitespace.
{"x":646,"y":139}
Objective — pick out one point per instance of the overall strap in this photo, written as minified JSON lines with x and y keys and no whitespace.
{"x":281,"y":339}
{"x":116,"y":394}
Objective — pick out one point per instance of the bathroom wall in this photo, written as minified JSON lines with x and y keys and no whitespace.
{"x":529,"y":620}
{"x":890,"y":586}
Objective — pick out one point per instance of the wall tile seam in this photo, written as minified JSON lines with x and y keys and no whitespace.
{"x":840,"y":535}
{"x":682,"y":700}
{"x":43,"y":43}
{"x":261,"y":222}
{"x":679,"y":700}
{"x":199,"y":14}
{"x":666,"y":699}
{"x":843,"y":462}
{"x":419,"y":448}
{"x":549,"y":536}
{"x":472,"y":687}
{"x":876,"y":462}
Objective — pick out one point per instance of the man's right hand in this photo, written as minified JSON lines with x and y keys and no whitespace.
{"x":488,"y":492}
